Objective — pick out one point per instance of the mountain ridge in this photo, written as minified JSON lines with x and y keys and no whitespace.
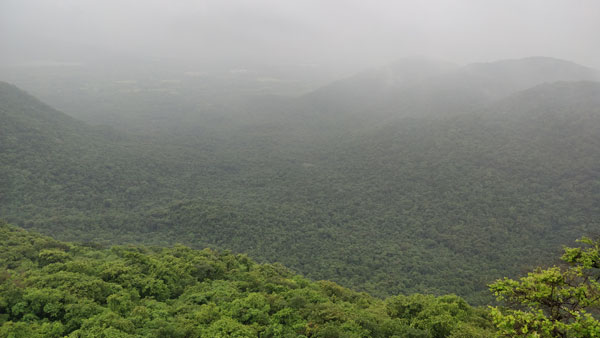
{"x":453,"y":89}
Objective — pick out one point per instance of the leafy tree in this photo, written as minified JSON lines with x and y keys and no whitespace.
{"x":104,"y":293}
{"x":553,"y":302}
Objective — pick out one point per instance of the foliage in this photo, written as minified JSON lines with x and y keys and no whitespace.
{"x":132,"y":291}
{"x":555,"y":302}
{"x":401,"y":205}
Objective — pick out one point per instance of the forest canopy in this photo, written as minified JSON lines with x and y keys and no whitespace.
{"x":54,"y":289}
{"x":406,"y":205}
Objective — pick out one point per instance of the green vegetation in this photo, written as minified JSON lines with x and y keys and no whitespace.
{"x":418,"y":205}
{"x":449,"y":184}
{"x":55,"y":289}
{"x":555,"y":302}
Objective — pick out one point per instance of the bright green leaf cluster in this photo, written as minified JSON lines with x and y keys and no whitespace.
{"x":53,"y":289}
{"x":555,"y":302}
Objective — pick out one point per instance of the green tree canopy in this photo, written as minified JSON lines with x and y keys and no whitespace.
{"x":561,"y":301}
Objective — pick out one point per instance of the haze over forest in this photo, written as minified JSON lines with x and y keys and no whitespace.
{"x":299,"y":169}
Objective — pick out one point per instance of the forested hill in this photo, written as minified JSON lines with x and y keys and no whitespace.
{"x":416,"y":204}
{"x":19,"y":107}
{"x":55,"y":165}
{"x":60,"y":173}
{"x":57,"y":289}
{"x":420,"y":87}
{"x":426,"y":205}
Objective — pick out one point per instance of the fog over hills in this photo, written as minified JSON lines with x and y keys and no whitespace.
{"x":137,"y":66}
{"x":423,"y":87}
{"x":413,"y":152}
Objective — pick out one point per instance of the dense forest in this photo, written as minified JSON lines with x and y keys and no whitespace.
{"x":310,"y":169}
{"x":400,"y":195}
{"x":55,"y":289}
{"x":394,"y":201}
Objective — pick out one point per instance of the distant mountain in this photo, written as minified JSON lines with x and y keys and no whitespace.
{"x":424,"y":88}
{"x":501,"y":78}
{"x":570,"y":99}
{"x":376,"y":84}
{"x":373,"y":88}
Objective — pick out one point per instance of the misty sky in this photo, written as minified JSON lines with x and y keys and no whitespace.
{"x":347,"y":34}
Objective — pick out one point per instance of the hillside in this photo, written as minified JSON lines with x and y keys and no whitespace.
{"x":57,"y":170}
{"x":431,"y":205}
{"x":55,"y":289}
{"x":421,"y":87}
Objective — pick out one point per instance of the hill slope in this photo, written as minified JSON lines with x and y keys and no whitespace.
{"x":418,"y":87}
{"x":55,"y":166}
{"x":56,"y":289}
{"x":430,"y":205}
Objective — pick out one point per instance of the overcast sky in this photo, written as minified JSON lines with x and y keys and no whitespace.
{"x":327,"y":33}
